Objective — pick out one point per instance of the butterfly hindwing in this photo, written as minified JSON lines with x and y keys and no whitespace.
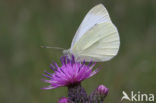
{"x":101,"y":43}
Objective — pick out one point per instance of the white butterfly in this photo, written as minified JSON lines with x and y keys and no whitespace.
{"x":96,"y":39}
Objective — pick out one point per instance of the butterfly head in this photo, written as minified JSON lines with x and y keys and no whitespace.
{"x":67,"y":53}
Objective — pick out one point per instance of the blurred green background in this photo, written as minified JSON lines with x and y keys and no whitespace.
{"x":25,"y":25}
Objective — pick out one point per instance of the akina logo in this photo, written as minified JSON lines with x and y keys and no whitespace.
{"x":137,"y":96}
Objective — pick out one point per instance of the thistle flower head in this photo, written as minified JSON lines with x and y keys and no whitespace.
{"x":102,"y":90}
{"x":71,"y":72}
{"x":63,"y":100}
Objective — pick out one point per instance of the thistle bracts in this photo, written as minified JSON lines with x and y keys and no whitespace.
{"x":77,"y":94}
{"x":99,"y":94}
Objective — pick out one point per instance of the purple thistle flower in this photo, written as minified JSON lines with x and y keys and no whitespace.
{"x":63,"y":100}
{"x":99,"y":94}
{"x":102,"y":90}
{"x":70,"y":73}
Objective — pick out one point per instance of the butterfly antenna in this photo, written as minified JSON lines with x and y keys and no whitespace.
{"x":58,"y":48}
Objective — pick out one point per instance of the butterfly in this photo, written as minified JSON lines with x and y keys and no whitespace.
{"x":96,"y":39}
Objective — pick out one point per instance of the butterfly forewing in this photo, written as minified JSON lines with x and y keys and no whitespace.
{"x":97,"y":14}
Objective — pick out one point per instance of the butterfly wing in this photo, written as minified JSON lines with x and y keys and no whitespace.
{"x":97,"y":14}
{"x":97,"y":38}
